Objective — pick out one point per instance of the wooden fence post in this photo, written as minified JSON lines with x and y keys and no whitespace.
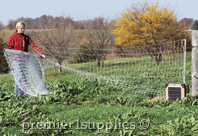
{"x":194,"y":62}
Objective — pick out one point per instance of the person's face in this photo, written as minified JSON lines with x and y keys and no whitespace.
{"x":21,"y":29}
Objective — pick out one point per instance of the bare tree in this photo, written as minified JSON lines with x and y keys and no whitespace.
{"x":2,"y":26}
{"x":98,"y":38}
{"x":11,"y":24}
{"x":56,"y":37}
{"x":188,"y":21}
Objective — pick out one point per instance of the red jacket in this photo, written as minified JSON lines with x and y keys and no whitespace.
{"x":16,"y":43}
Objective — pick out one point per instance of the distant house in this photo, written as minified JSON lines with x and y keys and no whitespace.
{"x":189,"y":22}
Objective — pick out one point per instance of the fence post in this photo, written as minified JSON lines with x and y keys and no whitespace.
{"x":194,"y":62}
{"x":184,"y":72}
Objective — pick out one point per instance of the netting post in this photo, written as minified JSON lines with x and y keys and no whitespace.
{"x":194,"y":62}
{"x":184,"y":47}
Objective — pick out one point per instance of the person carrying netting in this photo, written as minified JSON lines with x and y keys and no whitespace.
{"x":19,"y":42}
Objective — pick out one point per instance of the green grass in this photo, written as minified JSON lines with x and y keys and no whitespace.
{"x":85,"y":102}
{"x":140,"y":71}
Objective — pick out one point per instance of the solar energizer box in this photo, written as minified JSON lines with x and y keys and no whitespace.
{"x":176,"y":91}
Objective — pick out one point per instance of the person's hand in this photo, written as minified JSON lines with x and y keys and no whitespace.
{"x":43,"y":56}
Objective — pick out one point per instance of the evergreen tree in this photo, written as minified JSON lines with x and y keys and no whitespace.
{"x":195,"y":25}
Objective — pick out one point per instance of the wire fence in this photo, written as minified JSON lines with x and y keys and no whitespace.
{"x":139,"y":69}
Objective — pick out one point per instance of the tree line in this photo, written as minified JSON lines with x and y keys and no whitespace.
{"x":34,"y":23}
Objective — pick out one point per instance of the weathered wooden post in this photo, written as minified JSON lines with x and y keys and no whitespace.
{"x":194,"y":62}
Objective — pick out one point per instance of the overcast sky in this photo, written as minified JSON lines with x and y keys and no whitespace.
{"x":83,"y":9}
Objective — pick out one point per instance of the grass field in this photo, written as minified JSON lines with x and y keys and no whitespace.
{"x":140,"y":75}
{"x":87,"y":106}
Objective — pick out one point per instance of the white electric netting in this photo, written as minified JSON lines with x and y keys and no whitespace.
{"x":27,"y":72}
{"x":139,"y":69}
